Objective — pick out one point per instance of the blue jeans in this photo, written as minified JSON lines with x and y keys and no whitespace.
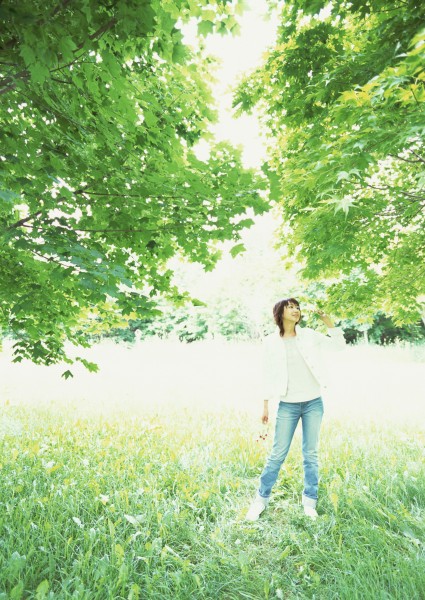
{"x":288,"y":415}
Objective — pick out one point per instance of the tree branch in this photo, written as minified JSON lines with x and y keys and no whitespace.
{"x":9,"y":83}
{"x":414,"y":95}
{"x":145,"y":230}
{"x":60,"y":6}
{"x":395,"y":190}
{"x":83,"y":191}
{"x":62,"y":81}
{"x":72,"y":62}
{"x":8,"y":88}
{"x":103,"y":29}
{"x":418,"y":155}
{"x":25,"y":220}
{"x":163,"y":228}
{"x":51,"y":259}
{"x":414,"y":162}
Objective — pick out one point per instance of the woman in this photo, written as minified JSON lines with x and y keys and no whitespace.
{"x":294,"y":371}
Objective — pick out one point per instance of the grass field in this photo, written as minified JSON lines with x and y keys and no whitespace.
{"x":133,"y":483}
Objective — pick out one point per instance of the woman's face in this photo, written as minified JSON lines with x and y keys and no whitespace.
{"x":291,"y":312}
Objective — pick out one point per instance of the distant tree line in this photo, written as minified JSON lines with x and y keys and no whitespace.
{"x":232,"y":322}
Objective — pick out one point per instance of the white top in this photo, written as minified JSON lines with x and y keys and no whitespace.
{"x":312,"y":346}
{"x":302,"y":384}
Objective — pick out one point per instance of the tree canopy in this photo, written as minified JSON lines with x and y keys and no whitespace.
{"x":342,"y":96}
{"x":102,"y":103}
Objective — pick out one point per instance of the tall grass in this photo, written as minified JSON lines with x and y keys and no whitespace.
{"x":146,"y":499}
{"x":153,"y":508}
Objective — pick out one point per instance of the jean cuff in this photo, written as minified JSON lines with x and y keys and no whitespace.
{"x":306,"y":501}
{"x":264,"y":500}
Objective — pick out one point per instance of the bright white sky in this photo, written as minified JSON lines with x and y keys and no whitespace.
{"x":238,"y":55}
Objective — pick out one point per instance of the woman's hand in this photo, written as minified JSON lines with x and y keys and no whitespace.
{"x":324,"y":317}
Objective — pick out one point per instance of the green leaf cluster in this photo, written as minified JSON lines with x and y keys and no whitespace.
{"x":102,"y":104}
{"x":342,"y":94}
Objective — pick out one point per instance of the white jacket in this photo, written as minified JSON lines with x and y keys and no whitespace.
{"x":312,"y":346}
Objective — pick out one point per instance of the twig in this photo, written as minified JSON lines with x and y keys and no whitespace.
{"x":414,"y":162}
{"x":25,"y":220}
{"x":418,"y":155}
{"x":51,"y":259}
{"x":60,"y":6}
{"x":127,"y":195}
{"x":394,"y":190}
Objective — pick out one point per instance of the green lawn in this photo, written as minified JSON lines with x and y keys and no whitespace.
{"x":153,"y":507}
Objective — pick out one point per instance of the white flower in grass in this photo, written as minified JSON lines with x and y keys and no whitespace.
{"x":78,"y":522}
{"x":279,"y":594}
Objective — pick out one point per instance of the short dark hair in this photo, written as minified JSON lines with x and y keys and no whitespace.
{"x":278,"y":309}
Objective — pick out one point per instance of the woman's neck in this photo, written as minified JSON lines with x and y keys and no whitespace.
{"x":289,"y":327}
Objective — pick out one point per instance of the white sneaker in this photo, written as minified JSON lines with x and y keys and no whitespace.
{"x":310,"y":512}
{"x":256,"y":508}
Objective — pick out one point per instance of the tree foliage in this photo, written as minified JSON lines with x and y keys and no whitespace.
{"x":236,"y":301}
{"x":102,"y":104}
{"x":223,"y":319}
{"x":343,"y":97}
{"x":230,"y":320}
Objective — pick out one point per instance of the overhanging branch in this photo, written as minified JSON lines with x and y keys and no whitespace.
{"x":21,"y":222}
